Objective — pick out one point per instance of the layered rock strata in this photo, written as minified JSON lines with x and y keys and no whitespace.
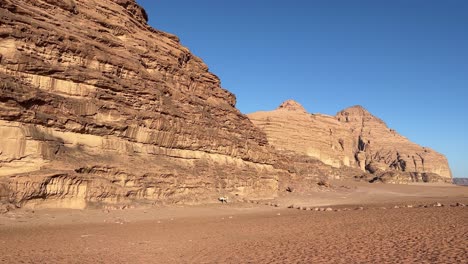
{"x":353,"y":138}
{"x":97,"y":106}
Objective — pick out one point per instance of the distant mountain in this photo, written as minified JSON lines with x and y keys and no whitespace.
{"x":353,"y":138}
{"x":460,"y":181}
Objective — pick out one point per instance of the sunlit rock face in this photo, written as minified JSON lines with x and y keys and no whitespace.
{"x":97,"y":106}
{"x":353,"y":138}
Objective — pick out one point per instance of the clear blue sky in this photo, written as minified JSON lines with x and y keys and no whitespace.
{"x":406,"y":61}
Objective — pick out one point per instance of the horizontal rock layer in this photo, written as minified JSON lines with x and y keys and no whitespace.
{"x":95,"y":105}
{"x":353,"y":138}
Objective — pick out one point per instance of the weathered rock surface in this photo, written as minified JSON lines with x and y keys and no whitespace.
{"x":97,"y":106}
{"x":353,"y":138}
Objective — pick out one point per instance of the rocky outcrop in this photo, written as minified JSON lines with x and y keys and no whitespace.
{"x":353,"y":138}
{"x":381,"y":148}
{"x":319,"y":136}
{"x":97,"y":106}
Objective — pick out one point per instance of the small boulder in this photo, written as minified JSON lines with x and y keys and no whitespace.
{"x":324,"y":183}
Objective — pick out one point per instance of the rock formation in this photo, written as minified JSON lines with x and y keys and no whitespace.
{"x":353,"y":138}
{"x":97,"y":106}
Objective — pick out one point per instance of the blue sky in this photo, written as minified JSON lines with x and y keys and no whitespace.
{"x":406,"y":61}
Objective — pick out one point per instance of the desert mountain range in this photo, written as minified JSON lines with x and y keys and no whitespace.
{"x":98,"y":107}
{"x":351,"y":138}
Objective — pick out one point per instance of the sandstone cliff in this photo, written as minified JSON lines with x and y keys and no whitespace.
{"x":353,"y":138}
{"x":97,"y":106}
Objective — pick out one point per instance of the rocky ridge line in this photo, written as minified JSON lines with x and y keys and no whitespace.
{"x":353,"y":138}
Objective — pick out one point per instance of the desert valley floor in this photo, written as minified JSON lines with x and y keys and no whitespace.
{"x":384,"y":231}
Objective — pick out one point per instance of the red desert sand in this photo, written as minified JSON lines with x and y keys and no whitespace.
{"x":375,"y":223}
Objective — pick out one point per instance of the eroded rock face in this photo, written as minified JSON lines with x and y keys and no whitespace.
{"x":383,"y":146}
{"x":97,"y":106}
{"x":319,"y":136}
{"x":353,"y":138}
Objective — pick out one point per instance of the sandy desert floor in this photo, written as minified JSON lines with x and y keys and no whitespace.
{"x":253,"y":233}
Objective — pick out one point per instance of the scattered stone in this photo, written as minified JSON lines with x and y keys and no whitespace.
{"x":396,"y":206}
{"x":324,"y":183}
{"x":437,"y":205}
{"x":409,"y":206}
{"x":359,"y":208}
{"x":5,"y":208}
{"x":328,"y":209}
{"x":291,"y":206}
{"x":460,"y":205}
{"x":289,"y":189}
